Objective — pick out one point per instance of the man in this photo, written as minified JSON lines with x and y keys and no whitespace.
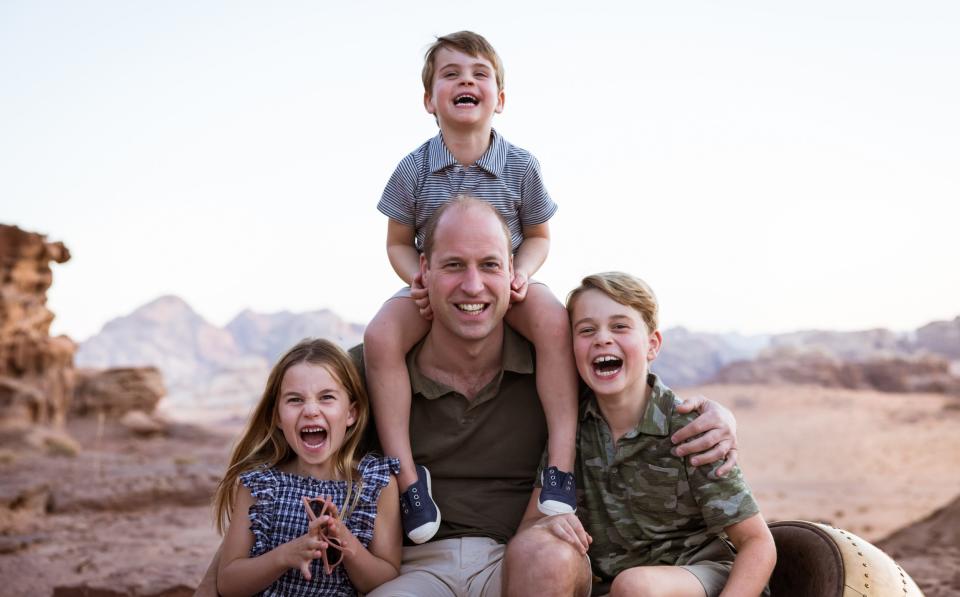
{"x":477,"y":424}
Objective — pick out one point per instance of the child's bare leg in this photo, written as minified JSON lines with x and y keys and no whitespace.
{"x":543,"y":320}
{"x":656,"y":581}
{"x":395,"y":329}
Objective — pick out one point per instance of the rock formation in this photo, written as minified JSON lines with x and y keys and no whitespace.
{"x":116,"y":392}
{"x":926,"y":373}
{"x":36,"y":371}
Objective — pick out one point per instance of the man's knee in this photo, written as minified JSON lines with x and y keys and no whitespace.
{"x":538,"y":555}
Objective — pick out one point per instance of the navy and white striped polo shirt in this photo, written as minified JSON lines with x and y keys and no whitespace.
{"x":506,"y":176}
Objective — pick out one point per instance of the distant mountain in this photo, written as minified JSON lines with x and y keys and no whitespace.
{"x":925,"y":360}
{"x":689,"y":358}
{"x":848,"y":346}
{"x":269,"y":334}
{"x":940,"y":337}
{"x":204,"y":365}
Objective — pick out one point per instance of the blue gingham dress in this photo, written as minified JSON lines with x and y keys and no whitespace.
{"x":278,"y":516}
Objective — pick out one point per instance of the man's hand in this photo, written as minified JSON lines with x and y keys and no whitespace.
{"x":567,"y":527}
{"x":715,"y":433}
{"x":518,"y":287}
{"x":419,"y":295}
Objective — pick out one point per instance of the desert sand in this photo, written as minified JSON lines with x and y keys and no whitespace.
{"x":131,"y":516}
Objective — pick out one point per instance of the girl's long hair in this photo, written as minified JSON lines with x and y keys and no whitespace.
{"x":262,"y":442}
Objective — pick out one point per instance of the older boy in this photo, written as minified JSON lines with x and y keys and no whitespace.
{"x":655,"y":520}
{"x":463,"y":89}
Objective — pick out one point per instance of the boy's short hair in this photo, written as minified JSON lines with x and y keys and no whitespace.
{"x":623,"y":288}
{"x":467,"y":42}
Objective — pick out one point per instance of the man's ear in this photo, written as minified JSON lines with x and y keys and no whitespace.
{"x":656,"y":342}
{"x":424,"y":269}
{"x":500,"y":99}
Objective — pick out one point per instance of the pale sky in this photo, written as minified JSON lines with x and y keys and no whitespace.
{"x":766,"y":167}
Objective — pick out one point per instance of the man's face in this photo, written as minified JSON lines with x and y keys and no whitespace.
{"x":464,"y":91}
{"x":469,"y":272}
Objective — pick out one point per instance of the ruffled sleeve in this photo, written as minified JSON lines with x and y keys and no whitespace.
{"x":262,"y":483}
{"x":375,"y":472}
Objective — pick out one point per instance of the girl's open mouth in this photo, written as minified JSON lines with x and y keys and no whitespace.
{"x":313,"y":437}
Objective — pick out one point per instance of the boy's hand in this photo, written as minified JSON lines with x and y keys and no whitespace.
{"x":419,"y":295}
{"x":518,"y":287}
{"x":715,"y":433}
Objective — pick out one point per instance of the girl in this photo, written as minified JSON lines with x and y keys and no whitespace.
{"x":301,"y":441}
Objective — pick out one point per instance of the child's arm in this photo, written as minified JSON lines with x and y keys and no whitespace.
{"x":529,"y":258}
{"x":239,"y":574}
{"x":401,"y":250}
{"x":370,"y":568}
{"x":756,"y":557}
{"x":406,"y":262}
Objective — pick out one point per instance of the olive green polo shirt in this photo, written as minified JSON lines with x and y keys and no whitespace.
{"x":483,"y":453}
{"x":644,"y":506}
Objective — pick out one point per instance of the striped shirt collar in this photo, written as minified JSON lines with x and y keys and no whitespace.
{"x":656,"y":416}
{"x":493,"y":159}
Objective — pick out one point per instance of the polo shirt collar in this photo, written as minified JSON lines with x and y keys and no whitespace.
{"x":493,"y":159}
{"x":656,"y":416}
{"x":516,"y":357}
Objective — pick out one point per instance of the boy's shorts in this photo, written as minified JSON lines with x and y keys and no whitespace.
{"x":711,"y":565}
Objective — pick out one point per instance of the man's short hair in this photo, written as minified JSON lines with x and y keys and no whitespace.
{"x":461,"y":202}
{"x":623,"y":288}
{"x":467,"y":42}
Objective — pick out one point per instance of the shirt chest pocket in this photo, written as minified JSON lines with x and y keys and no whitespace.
{"x":655,"y":487}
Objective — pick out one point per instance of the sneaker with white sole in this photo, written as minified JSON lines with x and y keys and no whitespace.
{"x":418,"y":512}
{"x":559,"y":492}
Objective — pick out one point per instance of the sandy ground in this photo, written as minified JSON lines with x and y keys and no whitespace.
{"x":131,"y":516}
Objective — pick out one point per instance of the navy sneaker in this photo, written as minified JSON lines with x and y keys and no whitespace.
{"x":559,"y":492}
{"x":418,"y":512}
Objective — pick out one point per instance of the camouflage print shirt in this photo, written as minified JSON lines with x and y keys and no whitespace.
{"x":644,"y":506}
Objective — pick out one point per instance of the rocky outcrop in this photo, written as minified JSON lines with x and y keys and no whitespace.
{"x":803,"y":366}
{"x":116,"y":392}
{"x":940,"y":337}
{"x":848,"y":346}
{"x":930,"y":550}
{"x":36,"y":371}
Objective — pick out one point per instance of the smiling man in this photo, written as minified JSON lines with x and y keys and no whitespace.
{"x":477,"y":423}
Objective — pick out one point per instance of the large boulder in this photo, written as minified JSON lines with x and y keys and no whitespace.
{"x":117,"y":391}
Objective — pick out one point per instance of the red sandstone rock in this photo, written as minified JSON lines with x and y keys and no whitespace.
{"x":29,"y":357}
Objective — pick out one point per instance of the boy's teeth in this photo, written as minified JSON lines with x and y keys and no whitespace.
{"x":471,"y":307}
{"x":607,"y":365}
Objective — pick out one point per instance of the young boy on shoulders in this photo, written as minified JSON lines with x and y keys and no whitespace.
{"x":463,"y":89}
{"x":659,"y":525}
